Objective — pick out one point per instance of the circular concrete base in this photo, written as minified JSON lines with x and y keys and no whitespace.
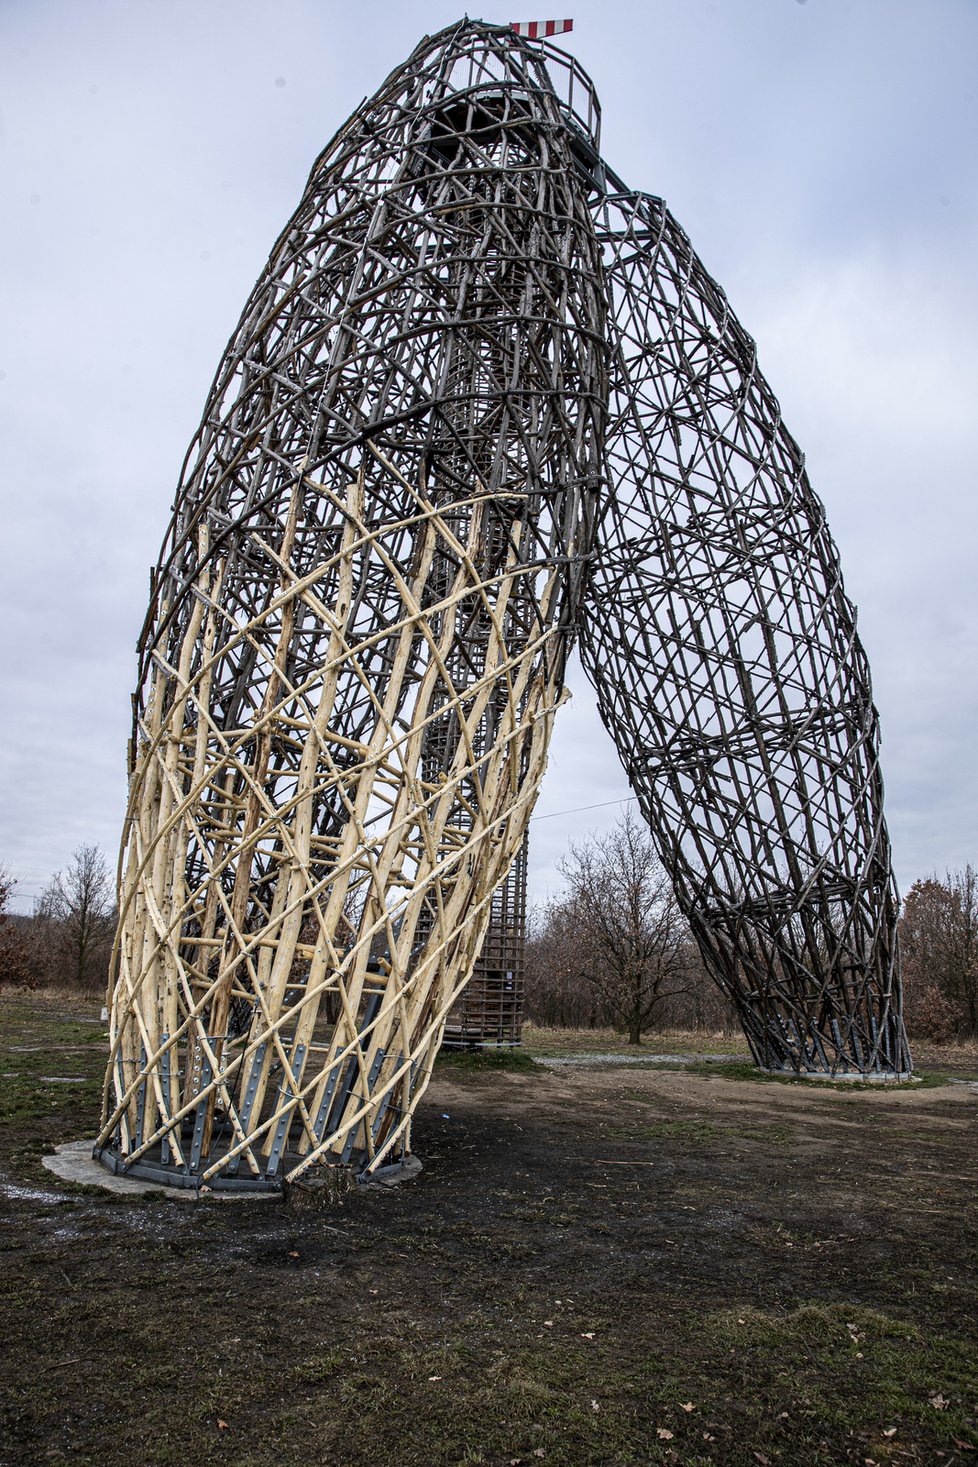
{"x":74,"y":1162}
{"x":845,"y":1077}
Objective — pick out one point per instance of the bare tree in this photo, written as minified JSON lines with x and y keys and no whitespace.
{"x":621,"y":928}
{"x":939,"y":939}
{"x":964,"y":885}
{"x":77,"y":913}
{"x":555,"y":994}
{"x":15,"y":966}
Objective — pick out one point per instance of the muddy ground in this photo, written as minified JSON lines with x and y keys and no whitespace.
{"x":607,"y":1265}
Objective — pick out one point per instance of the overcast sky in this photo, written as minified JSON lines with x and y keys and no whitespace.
{"x":821,"y":155}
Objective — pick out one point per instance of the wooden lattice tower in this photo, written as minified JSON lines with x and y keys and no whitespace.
{"x":470,"y":344}
{"x":489,"y":1011}
{"x":400,"y":458}
{"x":724,"y":653}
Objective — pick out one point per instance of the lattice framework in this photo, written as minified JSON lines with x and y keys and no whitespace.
{"x":469,"y":343}
{"x":359,"y":629}
{"x":728,"y":669}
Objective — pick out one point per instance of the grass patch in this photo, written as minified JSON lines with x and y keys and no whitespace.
{"x":812,"y":1385}
{"x":850,"y":1366}
{"x":23,"y":1097}
{"x":486,"y":1061}
{"x":687,"y":1131}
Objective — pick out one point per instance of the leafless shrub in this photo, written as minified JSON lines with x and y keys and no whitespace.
{"x":15,"y":966}
{"x":939,"y":940}
{"x":74,"y":920}
{"x":616,"y":948}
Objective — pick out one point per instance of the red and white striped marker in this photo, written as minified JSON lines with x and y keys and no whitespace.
{"x":537,"y":30}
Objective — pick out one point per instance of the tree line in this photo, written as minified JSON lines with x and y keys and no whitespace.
{"x":939,"y":943}
{"x":67,"y":941}
{"x":613,"y":951}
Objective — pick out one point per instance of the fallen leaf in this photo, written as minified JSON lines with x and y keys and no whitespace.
{"x":764,"y":1461}
{"x":686,"y":1406}
{"x":539,"y":1452}
{"x":663,"y":1433}
{"x":938,"y":1402}
{"x":434,"y":1377}
{"x":708,"y":1436}
{"x":548,"y":1323}
{"x":889,"y":1431}
{"x":965,"y":1446}
{"x":221,"y":1425}
{"x":588,"y":1336}
{"x":293,"y":1255}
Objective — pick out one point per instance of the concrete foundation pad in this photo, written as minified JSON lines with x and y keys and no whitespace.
{"x":73,"y":1162}
{"x":846,"y":1077}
